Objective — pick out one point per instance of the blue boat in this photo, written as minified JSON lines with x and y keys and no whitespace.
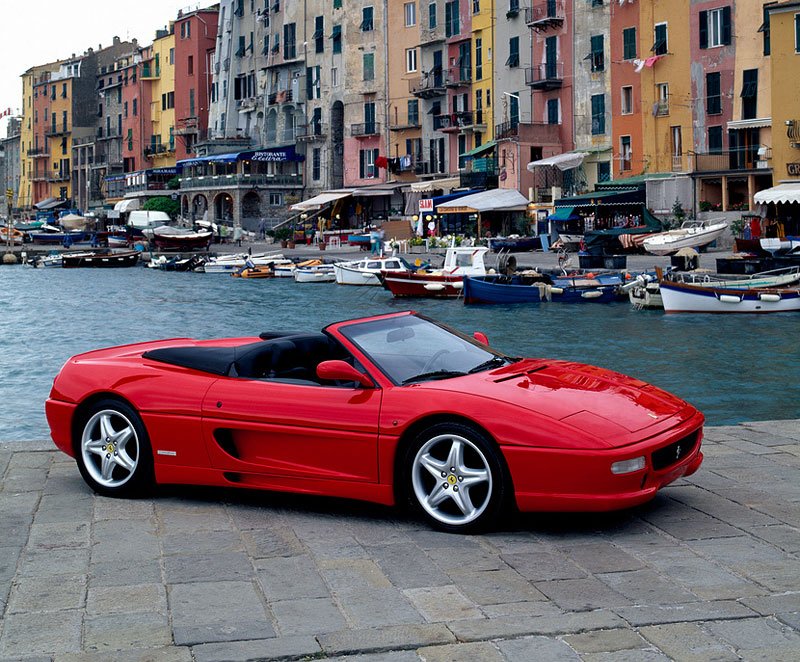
{"x":521,"y":288}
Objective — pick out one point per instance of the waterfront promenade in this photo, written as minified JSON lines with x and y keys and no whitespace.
{"x":708,"y":571}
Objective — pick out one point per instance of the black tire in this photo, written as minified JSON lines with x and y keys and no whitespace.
{"x":454,"y":476}
{"x":113,"y":450}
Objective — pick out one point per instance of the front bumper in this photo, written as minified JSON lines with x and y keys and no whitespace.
{"x":547,"y":479}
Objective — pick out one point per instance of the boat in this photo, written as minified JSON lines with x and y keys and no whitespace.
{"x":322,"y":273}
{"x":691,"y":234}
{"x":176,"y":263}
{"x":49,"y":234}
{"x":287,"y":270}
{"x":74,"y":222}
{"x":225,"y":264}
{"x":169,"y":238}
{"x":117,"y":241}
{"x":101,"y":259}
{"x":11,"y":236}
{"x":644,"y":290}
{"x":533,"y":287}
{"x":514,"y":244}
{"x":690,"y":298}
{"x":446,"y":282}
{"x":367,"y":271}
{"x":44,"y":261}
{"x":253,"y":271}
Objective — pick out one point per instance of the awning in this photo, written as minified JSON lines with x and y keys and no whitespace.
{"x":481,"y":148}
{"x":780,"y":193}
{"x":446,"y":184}
{"x":129,"y":204}
{"x":604,"y":199}
{"x":563,"y":214}
{"x":561,"y":161}
{"x":757,"y":123}
{"x":379,"y":190}
{"x":230,"y":157}
{"x":319,"y":201}
{"x":498,"y":199}
{"x":50,"y":203}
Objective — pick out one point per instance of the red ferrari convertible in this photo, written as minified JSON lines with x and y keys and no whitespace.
{"x":393,"y":409}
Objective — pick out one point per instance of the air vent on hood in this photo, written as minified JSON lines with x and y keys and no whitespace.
{"x":516,"y":375}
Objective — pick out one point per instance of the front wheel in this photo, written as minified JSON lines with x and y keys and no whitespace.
{"x":113,"y":451}
{"x":456,"y":478}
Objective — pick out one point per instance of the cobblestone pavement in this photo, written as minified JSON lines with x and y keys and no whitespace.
{"x":710,"y":570}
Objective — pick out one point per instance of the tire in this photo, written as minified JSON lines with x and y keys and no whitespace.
{"x":113,"y":451}
{"x":454,"y":477}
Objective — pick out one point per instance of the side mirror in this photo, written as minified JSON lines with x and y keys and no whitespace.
{"x":342,"y":371}
{"x":481,"y":338}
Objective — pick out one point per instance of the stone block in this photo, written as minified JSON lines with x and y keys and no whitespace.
{"x":290,"y":648}
{"x":186,"y":568}
{"x":495,"y":587}
{"x":55,"y":593}
{"x":606,"y":641}
{"x":507,"y":627}
{"x":119,"y":631}
{"x":439,"y":604}
{"x":483,"y":651}
{"x":28,"y":635}
{"x":290,"y":578}
{"x":537,"y":648}
{"x":106,"y":600}
{"x":582,"y":594}
{"x":376,"y":640}
{"x":310,"y":616}
{"x":693,"y":611}
{"x":407,"y":566}
{"x":688,"y":641}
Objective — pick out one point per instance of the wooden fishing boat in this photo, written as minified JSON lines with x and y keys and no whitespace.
{"x":367,"y":271}
{"x":446,"y":282}
{"x":322,"y":273}
{"x":691,"y":298}
{"x":100,"y":259}
{"x":535,"y":287}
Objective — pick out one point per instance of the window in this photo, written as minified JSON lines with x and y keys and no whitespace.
{"x":319,"y":34}
{"x":337,"y":4}
{"x":660,"y":44}
{"x":168,"y":100}
{"x":432,"y":15}
{"x":598,"y":114}
{"x":413,"y":112}
{"x":715,"y":27}
{"x":366,"y":163}
{"x":368,"y":63}
{"x":629,"y":44}
{"x":627,"y":100}
{"x":63,"y":90}
{"x":334,"y":76}
{"x":662,"y":105}
{"x":289,"y":44}
{"x":242,"y":47}
{"x":478,"y":58}
{"x":313,"y":82}
{"x":553,"y":111}
{"x":797,"y":33}
{"x":410,"y":10}
{"x":172,"y":56}
{"x":596,"y":56}
{"x":452,"y":20}
{"x":316,"y":164}
{"x":411,"y":60}
{"x":603,"y":171}
{"x":749,"y":94}
{"x":369,"y":118}
{"x":715,"y":139}
{"x":713,"y":93}
{"x":190,"y":65}
{"x":336,"y":37}
{"x":625,"y":152}
{"x":513,"y":52}
{"x":597,"y":3}
{"x":135,"y":107}
{"x":367,"y":19}
{"x":275,"y":199}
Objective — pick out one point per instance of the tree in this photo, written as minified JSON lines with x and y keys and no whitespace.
{"x":163,"y":203}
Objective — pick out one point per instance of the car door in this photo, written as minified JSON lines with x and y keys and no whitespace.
{"x":285,"y":429}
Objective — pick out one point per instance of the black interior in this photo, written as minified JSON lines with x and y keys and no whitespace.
{"x":287,"y":358}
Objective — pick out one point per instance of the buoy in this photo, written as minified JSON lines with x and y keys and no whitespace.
{"x":458,"y":285}
{"x":434,"y":287}
{"x":767,"y":296}
{"x":557,"y":290}
{"x":730,"y":298}
{"x":591,"y":294}
{"x":9,"y":258}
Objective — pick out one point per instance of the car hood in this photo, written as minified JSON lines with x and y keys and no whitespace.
{"x":605,"y":404}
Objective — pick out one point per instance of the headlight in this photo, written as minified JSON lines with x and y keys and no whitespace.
{"x":628,"y":466}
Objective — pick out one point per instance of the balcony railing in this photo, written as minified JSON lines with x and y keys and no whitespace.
{"x":545,"y":15}
{"x":458,"y":121}
{"x":54,"y":131}
{"x":431,"y":35}
{"x":365,"y":130}
{"x":154,"y":149}
{"x":432,"y":85}
{"x":150,"y":73}
{"x":546,"y":76}
{"x":737,"y":159}
{"x":310,"y":132}
{"x":410,"y":123}
{"x":58,"y":177}
{"x":281,"y":96}
{"x":662,"y":108}
{"x":228,"y":181}
{"x":459,"y":76}
{"x":39,"y":153}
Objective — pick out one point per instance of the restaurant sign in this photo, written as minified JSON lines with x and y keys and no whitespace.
{"x":793,"y":169}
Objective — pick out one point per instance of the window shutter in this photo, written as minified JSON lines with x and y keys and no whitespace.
{"x":726,"y":25}
{"x":309,"y":84}
{"x":703,"y":29}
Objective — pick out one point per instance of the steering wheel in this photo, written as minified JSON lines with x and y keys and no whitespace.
{"x":432,"y":361}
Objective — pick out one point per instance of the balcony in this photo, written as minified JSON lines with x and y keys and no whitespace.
{"x":365,"y":130}
{"x":410,"y":124}
{"x":54,"y":131}
{"x":246,"y":105}
{"x":429,"y":86}
{"x":310,"y":132}
{"x":463,"y":120}
{"x":546,"y":76}
{"x":241,"y":180}
{"x":737,"y":160}
{"x":58,"y":177}
{"x":662,"y":109}
{"x":187,"y":126}
{"x":459,"y":76}
{"x":39,"y":153}
{"x":281,"y":96}
{"x":113,"y":134}
{"x":545,"y":15}
{"x":533,"y":133}
{"x":39,"y":177}
{"x":150,"y":73}
{"x":155,"y":149}
{"x":430,"y":36}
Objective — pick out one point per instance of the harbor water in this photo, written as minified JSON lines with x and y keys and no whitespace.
{"x":734,"y":368}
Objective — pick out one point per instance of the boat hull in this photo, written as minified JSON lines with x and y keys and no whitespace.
{"x":187,"y":242}
{"x":423,"y":285}
{"x":686,"y":298}
{"x":501,"y":290}
{"x":347,"y":276}
{"x":674,"y":240}
{"x":100,"y":260}
{"x":314,"y":275}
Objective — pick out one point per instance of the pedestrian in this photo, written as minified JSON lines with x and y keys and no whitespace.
{"x":262,"y":229}
{"x":237,"y":235}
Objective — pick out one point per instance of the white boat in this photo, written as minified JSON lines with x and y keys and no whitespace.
{"x":287,"y":270}
{"x":689,"y":298}
{"x":225,"y":264}
{"x":367,"y":270}
{"x":691,"y":234}
{"x":322,"y":273}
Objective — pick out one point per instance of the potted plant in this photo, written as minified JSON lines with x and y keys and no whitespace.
{"x":283,"y":235}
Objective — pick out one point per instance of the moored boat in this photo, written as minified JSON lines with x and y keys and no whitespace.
{"x":690,"y":298}
{"x":368,"y":270}
{"x":169,"y":238}
{"x":11,"y":236}
{"x":322,"y":273}
{"x":691,"y":234}
{"x":225,"y":264}
{"x":446,"y":282}
{"x":534,"y":287}
{"x":253,"y":271}
{"x":100,"y":259}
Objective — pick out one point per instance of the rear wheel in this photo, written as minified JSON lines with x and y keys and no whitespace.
{"x":455,"y":478}
{"x":113,"y":451}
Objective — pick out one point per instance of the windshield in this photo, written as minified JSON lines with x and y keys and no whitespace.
{"x":414,"y":349}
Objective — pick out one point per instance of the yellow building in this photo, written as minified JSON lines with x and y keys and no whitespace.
{"x":784,"y":37}
{"x":666,"y":86}
{"x":159,"y":71}
{"x":482,"y":76}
